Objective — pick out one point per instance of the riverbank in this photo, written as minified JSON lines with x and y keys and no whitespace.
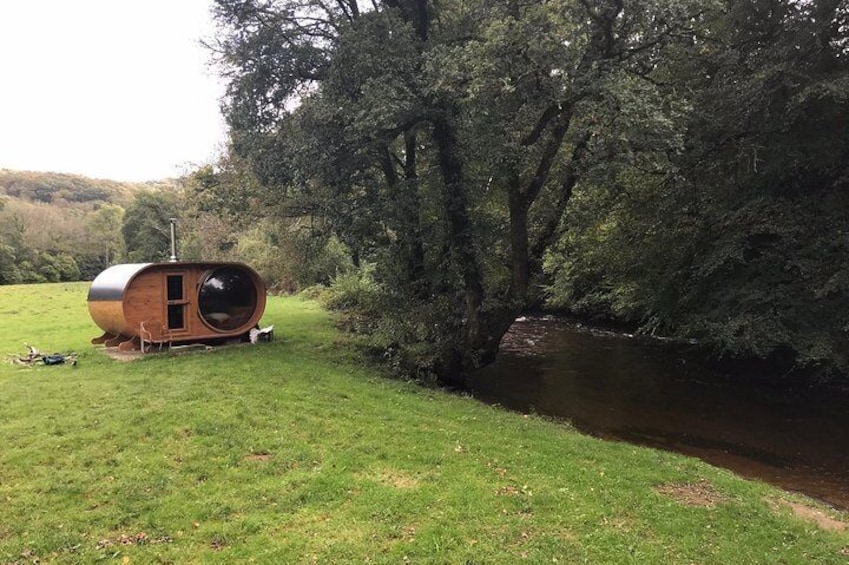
{"x":297,"y":452}
{"x":659,"y":394}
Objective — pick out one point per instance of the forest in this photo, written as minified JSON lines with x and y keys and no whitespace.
{"x":61,"y":227}
{"x":677,"y":165}
{"x":434,"y":169}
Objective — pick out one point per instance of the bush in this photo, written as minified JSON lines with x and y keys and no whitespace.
{"x":354,"y":291}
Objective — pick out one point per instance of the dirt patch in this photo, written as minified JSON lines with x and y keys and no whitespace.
{"x":507,"y":490}
{"x":397,"y":479}
{"x":258,"y":457}
{"x":392,"y":478}
{"x":118,"y":355}
{"x":701,"y":493}
{"x":812,"y":514}
{"x":140,"y":538}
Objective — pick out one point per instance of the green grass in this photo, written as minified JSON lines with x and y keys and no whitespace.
{"x":296,"y":452}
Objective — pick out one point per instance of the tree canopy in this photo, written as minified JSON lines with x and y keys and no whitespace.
{"x":442,"y":141}
{"x":146,"y":226}
{"x":740,"y":240}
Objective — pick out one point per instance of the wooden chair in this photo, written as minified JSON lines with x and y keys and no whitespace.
{"x":153,"y":333}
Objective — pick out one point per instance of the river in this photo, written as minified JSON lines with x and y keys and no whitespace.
{"x":654,"y":393}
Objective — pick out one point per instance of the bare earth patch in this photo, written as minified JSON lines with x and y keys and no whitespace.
{"x":393,"y":478}
{"x":701,"y":493}
{"x":398,"y":479}
{"x":140,"y":538}
{"x":118,"y":355}
{"x":812,"y":514}
{"x":258,"y":457}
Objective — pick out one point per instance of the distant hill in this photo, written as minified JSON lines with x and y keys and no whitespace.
{"x":73,"y":191}
{"x":61,"y":227}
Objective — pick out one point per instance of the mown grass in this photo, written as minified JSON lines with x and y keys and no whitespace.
{"x":296,"y":452}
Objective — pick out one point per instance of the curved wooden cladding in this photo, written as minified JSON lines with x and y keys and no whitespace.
{"x":145,"y":298}
{"x":108,"y":315}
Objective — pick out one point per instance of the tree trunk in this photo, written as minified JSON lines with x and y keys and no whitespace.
{"x":455,"y":205}
{"x":518,"y":208}
{"x":415,"y":251}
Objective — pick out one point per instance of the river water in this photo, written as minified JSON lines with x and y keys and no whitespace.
{"x":653,"y":393}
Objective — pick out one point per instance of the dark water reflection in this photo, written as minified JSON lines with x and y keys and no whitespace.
{"x":656,"y":394}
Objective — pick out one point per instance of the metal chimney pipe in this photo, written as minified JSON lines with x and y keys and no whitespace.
{"x":173,"y":240}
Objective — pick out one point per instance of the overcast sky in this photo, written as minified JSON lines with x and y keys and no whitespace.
{"x":117,"y":89}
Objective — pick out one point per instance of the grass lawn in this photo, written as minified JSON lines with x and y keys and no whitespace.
{"x":297,"y":452}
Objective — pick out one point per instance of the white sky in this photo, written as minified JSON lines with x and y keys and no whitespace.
{"x":116,"y":89}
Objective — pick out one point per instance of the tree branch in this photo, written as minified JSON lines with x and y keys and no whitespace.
{"x":546,"y":236}
{"x":549,"y":153}
{"x":550,"y":113}
{"x":344,"y":7}
{"x":387,"y":166}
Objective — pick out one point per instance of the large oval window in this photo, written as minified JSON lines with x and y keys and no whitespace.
{"x":227,"y":299}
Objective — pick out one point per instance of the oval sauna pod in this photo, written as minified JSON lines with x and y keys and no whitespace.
{"x":175,"y":303}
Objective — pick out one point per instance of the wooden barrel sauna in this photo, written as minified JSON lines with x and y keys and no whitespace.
{"x":175,"y":303}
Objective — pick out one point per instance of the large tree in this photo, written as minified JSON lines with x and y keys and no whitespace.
{"x":443,"y":140}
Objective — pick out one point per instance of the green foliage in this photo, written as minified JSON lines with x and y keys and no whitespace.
{"x":56,"y":268}
{"x":103,"y":227}
{"x":146,"y":226}
{"x":9,"y":271}
{"x":737,"y":239}
{"x":441,"y":142}
{"x":67,"y":190}
{"x":356,"y":290}
{"x":677,"y":165}
{"x":223,"y":217}
{"x":289,"y":257}
{"x":408,"y":341}
{"x":40,"y":243}
{"x":61,"y":227}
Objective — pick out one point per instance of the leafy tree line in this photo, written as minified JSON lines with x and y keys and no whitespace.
{"x":678,"y":164}
{"x":68,"y":190}
{"x":738,"y":239}
{"x":43,"y":243}
{"x":225,"y":216}
{"x":441,"y":142}
{"x":56,"y":227}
